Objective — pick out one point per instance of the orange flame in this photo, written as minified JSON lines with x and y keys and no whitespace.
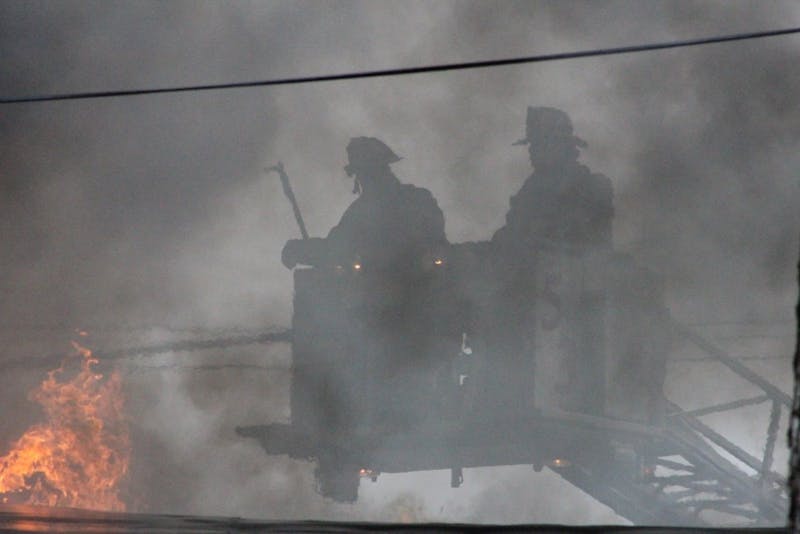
{"x":78,"y":457}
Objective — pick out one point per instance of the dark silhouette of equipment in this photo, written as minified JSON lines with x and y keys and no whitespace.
{"x":390,"y":376}
{"x":543,"y":346}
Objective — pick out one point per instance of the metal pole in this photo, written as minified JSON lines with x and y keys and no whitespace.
{"x":287,"y":190}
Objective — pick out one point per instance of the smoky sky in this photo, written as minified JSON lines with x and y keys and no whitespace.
{"x":155,"y":210}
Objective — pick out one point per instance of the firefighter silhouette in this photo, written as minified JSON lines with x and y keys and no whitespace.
{"x":391,"y":241}
{"x":391,"y":226}
{"x":562,"y":202}
{"x":561,"y":208}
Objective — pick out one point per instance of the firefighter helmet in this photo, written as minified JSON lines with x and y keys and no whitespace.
{"x":548,"y":122}
{"x":368,"y":152}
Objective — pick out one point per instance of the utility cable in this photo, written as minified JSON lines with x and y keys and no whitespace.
{"x":190,"y":345}
{"x":405,"y":71}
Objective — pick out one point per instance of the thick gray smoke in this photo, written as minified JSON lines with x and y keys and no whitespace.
{"x":155,"y":210}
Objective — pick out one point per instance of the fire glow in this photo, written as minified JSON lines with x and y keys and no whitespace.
{"x":79,"y":456}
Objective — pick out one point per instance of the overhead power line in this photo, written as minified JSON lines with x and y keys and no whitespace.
{"x":405,"y":71}
{"x":264,"y":338}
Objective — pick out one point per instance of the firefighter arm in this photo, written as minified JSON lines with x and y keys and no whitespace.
{"x":312,"y":251}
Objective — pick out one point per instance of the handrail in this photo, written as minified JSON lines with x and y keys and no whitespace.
{"x":731,"y":363}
